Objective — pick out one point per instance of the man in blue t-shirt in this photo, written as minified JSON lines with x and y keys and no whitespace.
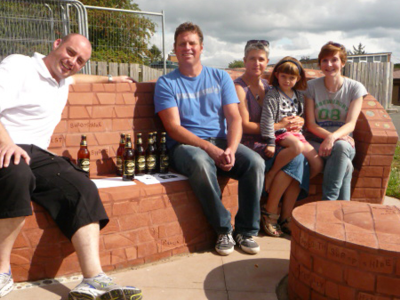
{"x":199,"y":109}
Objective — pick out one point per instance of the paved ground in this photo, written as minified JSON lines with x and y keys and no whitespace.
{"x":198,"y":276}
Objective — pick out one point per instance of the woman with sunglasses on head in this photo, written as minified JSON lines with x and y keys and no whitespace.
{"x":294,"y":177}
{"x":333,"y":104}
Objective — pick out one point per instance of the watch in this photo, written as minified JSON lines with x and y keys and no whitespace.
{"x":110,"y":78}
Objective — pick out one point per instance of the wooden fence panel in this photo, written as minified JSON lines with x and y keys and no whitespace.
{"x":113,"y":69}
{"x":135,"y":71}
{"x":376,"y":77}
{"x":124,"y":69}
{"x":102,"y":68}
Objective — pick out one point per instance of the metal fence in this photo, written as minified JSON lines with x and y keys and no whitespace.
{"x":376,"y":77}
{"x":117,"y":35}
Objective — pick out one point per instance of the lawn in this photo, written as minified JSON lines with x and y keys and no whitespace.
{"x":393,"y":189}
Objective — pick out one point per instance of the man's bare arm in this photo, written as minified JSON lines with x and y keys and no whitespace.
{"x":83,"y":78}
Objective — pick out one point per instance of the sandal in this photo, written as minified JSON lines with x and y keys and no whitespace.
{"x":270,"y":224}
{"x":285,"y":225}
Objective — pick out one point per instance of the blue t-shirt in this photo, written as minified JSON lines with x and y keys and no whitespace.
{"x":200,"y":100}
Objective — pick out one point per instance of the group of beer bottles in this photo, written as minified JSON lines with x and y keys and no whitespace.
{"x":153,"y":160}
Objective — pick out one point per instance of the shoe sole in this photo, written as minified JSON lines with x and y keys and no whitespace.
{"x":116,"y":294}
{"x":250,"y":250}
{"x":7,"y":288}
{"x":224,"y":252}
{"x":80,"y":296}
{"x":121,"y":294}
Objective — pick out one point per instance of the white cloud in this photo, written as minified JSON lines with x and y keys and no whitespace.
{"x":294,"y":27}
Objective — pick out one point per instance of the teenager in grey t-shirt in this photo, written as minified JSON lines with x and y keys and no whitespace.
{"x":333,"y":104}
{"x":330,"y":109}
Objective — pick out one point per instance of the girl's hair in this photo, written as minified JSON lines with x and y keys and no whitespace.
{"x":331,"y":48}
{"x":289,"y":65}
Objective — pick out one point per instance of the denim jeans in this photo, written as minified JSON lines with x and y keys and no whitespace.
{"x":201,"y":170}
{"x":338,"y":172}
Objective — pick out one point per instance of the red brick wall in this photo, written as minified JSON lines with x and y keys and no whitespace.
{"x":148,"y":223}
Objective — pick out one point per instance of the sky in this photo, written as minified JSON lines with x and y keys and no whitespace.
{"x":293,"y":27}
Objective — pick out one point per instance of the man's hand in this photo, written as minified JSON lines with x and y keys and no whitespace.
{"x":9,"y":150}
{"x":126,"y":79}
{"x":223,"y":159}
{"x":269,"y":151}
{"x":229,"y":160}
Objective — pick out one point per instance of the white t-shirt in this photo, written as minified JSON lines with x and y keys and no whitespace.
{"x":31,"y":100}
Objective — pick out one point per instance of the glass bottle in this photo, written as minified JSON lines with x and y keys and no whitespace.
{"x":164,"y":155}
{"x":140,"y":156}
{"x":120,"y":153}
{"x":84,"y":155}
{"x":128,"y":161}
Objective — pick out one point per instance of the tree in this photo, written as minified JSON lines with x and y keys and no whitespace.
{"x":357,"y":51}
{"x":155,"y":54}
{"x":305,"y":58}
{"x":236,"y":64}
{"x":122,"y":37}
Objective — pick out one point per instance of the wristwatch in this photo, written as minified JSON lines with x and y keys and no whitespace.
{"x":110,"y":79}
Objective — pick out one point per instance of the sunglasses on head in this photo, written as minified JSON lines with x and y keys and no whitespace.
{"x":263,"y":42}
{"x":335,"y":44}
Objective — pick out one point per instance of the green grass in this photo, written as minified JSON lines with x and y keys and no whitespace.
{"x":393,"y":189}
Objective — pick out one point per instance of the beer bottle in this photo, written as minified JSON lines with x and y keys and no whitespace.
{"x":164,"y":155}
{"x":140,"y":156}
{"x":120,"y":153}
{"x":84,"y":155}
{"x":128,"y":161}
{"x":155,"y":145}
{"x":151,"y":158}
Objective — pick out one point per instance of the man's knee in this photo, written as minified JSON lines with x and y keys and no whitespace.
{"x":193,"y":159}
{"x":18,"y":175}
{"x":254,"y":161}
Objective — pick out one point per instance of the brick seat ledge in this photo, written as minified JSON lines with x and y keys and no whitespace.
{"x":149,"y":223}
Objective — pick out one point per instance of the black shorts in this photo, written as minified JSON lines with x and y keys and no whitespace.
{"x":55,"y":183}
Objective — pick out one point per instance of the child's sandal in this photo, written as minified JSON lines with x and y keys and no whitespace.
{"x":270,"y":224}
{"x":285,"y":225}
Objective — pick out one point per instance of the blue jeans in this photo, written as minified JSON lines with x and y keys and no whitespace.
{"x":338,"y":172}
{"x":201,"y":170}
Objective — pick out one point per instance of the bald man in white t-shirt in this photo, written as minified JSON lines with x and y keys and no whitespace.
{"x":33,"y":93}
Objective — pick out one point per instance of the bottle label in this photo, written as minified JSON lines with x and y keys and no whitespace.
{"x":129,"y":167}
{"x":141,"y":163}
{"x":84,"y":164}
{"x":164,"y":161}
{"x":151,"y":162}
{"x":119,"y":163}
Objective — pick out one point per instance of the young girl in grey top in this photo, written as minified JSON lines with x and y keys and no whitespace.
{"x":284,"y":100}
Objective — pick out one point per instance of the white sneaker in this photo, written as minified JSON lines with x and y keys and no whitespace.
{"x":6,"y":283}
{"x":102,"y":287}
{"x":225,"y":244}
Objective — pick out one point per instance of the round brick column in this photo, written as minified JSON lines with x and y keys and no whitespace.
{"x":345,"y":250}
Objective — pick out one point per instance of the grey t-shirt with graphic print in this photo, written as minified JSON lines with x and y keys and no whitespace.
{"x":331,"y":109}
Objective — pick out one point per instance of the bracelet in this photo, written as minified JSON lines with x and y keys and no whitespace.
{"x":110,"y":78}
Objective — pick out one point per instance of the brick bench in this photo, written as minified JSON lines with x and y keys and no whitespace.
{"x":152,"y":222}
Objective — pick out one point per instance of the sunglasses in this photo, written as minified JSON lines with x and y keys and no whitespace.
{"x":335,"y":44}
{"x":263,"y":42}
